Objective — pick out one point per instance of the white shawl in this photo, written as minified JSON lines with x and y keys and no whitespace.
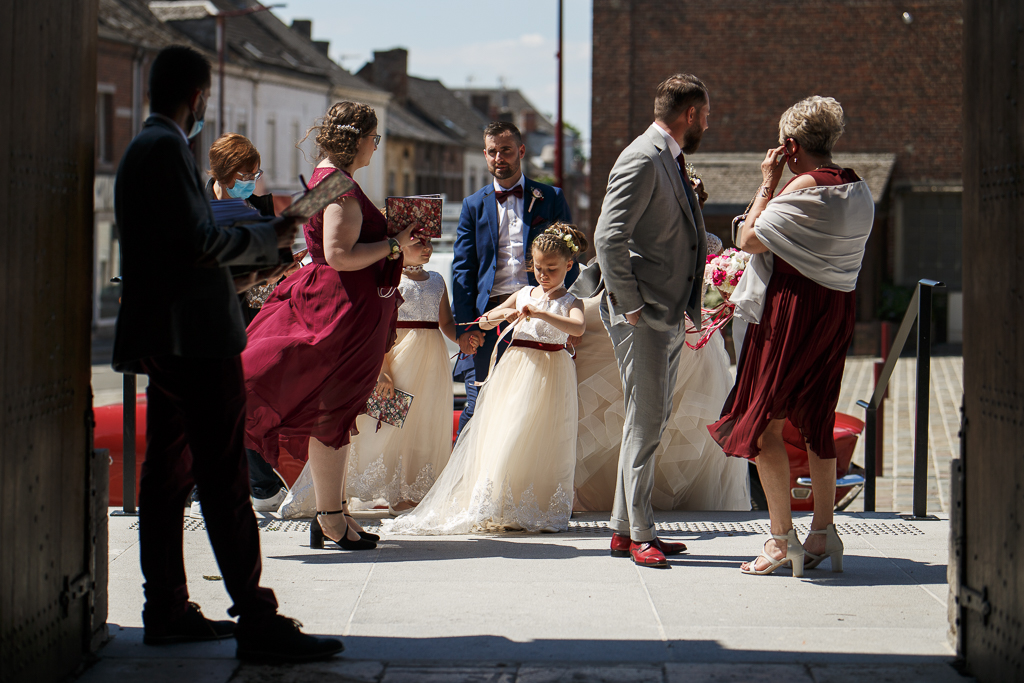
{"x":820,"y":231}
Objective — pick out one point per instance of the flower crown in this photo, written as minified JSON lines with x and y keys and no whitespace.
{"x":566,"y":237}
{"x":349,"y":128}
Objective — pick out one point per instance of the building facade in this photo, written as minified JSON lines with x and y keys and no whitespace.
{"x":277,"y":83}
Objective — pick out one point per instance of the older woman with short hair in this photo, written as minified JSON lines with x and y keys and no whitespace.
{"x":808,"y":244}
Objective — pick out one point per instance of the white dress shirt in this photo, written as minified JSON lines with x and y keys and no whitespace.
{"x":673,"y":146}
{"x":510,"y":274}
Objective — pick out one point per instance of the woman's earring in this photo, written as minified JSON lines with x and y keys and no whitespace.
{"x":795,"y":160}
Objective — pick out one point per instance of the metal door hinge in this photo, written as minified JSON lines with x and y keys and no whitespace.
{"x":976,"y":600}
{"x":74,"y":589}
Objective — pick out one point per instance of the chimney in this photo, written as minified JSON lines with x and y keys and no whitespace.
{"x":322,"y":46}
{"x":390,"y":72}
{"x":303,"y":27}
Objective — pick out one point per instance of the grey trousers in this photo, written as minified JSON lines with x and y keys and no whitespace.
{"x":648,"y":362}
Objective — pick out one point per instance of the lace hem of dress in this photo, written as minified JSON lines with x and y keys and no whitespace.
{"x":376,"y":482}
{"x":488,"y":512}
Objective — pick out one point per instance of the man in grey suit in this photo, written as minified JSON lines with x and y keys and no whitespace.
{"x":651,"y":249}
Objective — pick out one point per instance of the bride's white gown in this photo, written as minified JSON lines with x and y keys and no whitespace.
{"x":692,"y":471}
{"x":512,"y":467}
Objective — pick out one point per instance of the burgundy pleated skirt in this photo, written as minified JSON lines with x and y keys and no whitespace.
{"x":791,"y":365}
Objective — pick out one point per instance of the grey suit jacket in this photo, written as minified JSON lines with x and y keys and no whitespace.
{"x":651,"y":246}
{"x":178,"y":297}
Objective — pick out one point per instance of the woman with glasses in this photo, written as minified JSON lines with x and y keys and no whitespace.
{"x":234,"y":170}
{"x":316,"y":347}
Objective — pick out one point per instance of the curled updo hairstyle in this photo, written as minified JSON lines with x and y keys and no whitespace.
{"x":560,"y":238}
{"x":816,"y":123}
{"x":229,"y":153}
{"x":338,"y":133}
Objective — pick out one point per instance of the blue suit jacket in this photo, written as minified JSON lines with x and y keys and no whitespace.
{"x":476,"y":254}
{"x":476,"y":244}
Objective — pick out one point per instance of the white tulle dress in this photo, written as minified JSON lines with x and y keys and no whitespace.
{"x":512,"y":467}
{"x":692,"y":472}
{"x":393,"y":464}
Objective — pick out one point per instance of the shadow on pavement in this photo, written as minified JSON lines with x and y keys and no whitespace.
{"x":490,"y":650}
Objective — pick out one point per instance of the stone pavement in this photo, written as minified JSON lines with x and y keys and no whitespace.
{"x":555,"y":607}
{"x":895,"y":489}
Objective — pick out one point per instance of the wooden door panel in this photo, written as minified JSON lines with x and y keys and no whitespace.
{"x":47,"y":119}
{"x":991,"y":590}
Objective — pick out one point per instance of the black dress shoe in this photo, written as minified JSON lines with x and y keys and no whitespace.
{"x":278,"y":640}
{"x":191,"y":627}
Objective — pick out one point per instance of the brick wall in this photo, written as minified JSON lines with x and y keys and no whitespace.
{"x":899,"y":83}
{"x":114,"y":68}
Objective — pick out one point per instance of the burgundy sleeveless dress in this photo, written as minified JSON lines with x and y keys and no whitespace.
{"x":792,"y":362}
{"x":316,"y":347}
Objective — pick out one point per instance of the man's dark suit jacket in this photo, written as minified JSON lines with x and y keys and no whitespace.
{"x":178,"y":297}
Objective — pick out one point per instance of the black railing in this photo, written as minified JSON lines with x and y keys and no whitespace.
{"x":919,"y":310}
{"x":128,"y":391}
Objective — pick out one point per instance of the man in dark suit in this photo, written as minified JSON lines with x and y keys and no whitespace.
{"x":180,"y":323}
{"x":498,"y":224}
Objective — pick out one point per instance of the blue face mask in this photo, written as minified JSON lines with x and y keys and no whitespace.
{"x":243,"y":189}
{"x":197,"y":124}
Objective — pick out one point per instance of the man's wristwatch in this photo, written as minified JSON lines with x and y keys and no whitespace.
{"x":396,"y":248}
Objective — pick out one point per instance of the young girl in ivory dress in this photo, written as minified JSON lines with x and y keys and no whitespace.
{"x":399,"y":465}
{"x":512,"y":467}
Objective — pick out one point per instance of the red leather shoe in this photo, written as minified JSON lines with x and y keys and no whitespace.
{"x":668,"y":547}
{"x":647,"y":555}
{"x":620,"y":545}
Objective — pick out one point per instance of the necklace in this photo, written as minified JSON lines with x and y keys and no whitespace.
{"x":412,"y":269}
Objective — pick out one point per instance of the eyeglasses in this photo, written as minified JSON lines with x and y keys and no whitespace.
{"x":250,"y":176}
{"x":376,"y":140}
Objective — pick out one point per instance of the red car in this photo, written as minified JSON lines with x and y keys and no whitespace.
{"x":109,"y":423}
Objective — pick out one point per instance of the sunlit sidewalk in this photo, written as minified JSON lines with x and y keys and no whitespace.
{"x":551,"y":607}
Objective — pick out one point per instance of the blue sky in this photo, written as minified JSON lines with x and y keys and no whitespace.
{"x":460,"y":42}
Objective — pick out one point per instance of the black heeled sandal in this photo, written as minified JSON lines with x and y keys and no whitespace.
{"x":365,"y":535}
{"x":317,"y":536}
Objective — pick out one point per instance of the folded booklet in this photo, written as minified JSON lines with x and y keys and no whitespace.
{"x":424,"y":209}
{"x":391,"y":410}
{"x":228,"y":211}
{"x":317,"y":198}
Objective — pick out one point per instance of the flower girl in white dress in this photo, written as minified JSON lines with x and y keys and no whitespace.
{"x":512,"y":467}
{"x":399,"y":465}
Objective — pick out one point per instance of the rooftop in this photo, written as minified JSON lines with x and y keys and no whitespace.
{"x":732,"y":178}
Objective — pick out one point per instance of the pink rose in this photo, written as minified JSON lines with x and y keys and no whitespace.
{"x":718,"y":277}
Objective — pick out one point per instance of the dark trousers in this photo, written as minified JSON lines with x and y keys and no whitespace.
{"x":481,"y":364}
{"x":263,"y":480}
{"x":198,"y":402}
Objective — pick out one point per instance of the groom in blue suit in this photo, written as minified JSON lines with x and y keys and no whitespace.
{"x":492,"y":246}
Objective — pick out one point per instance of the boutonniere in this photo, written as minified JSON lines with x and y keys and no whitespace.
{"x":537,"y":194}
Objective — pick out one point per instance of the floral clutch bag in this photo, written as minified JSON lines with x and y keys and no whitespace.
{"x":423,"y":209}
{"x":392,"y":411}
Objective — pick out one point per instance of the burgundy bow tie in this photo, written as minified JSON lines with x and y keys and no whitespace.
{"x":516,"y":192}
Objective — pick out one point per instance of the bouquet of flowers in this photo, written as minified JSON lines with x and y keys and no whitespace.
{"x":723,"y":271}
{"x":721,"y":274}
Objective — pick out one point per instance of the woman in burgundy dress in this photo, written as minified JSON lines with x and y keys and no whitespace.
{"x":316,"y":347}
{"x":808,"y":244}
